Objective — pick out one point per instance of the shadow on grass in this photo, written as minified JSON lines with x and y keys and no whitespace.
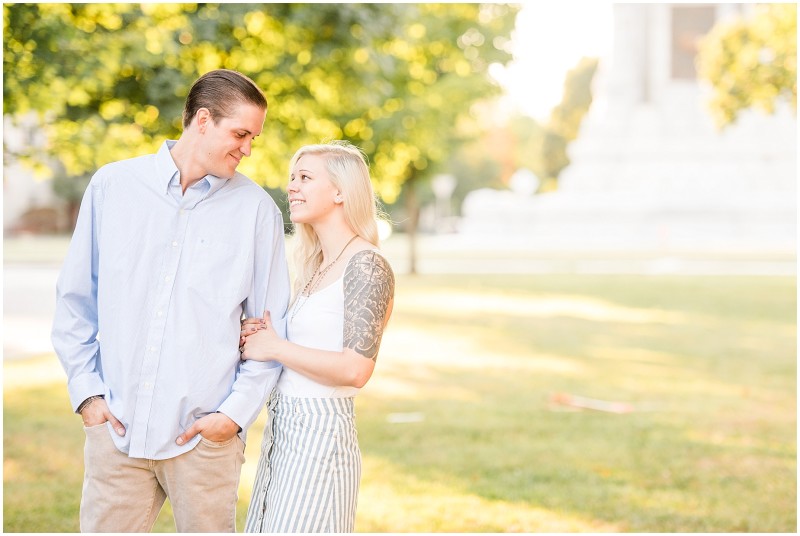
{"x":711,"y":445}
{"x":43,"y":462}
{"x":709,"y":448}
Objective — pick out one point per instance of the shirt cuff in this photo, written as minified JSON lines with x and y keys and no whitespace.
{"x":239,"y":406}
{"x":83,"y":386}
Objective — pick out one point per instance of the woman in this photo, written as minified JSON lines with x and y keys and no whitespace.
{"x":310,"y":466}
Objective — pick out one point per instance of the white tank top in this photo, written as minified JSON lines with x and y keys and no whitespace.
{"x":316,"y":321}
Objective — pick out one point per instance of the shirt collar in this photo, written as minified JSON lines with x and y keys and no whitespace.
{"x":215,"y":182}
{"x":167,"y":169}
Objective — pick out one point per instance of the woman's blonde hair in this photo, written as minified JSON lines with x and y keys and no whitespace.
{"x":348,"y":170}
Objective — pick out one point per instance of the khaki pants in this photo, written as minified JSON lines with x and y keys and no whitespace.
{"x":122,"y":494}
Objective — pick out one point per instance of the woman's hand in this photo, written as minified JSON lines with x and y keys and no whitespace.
{"x":261,"y":343}
{"x":250,"y":326}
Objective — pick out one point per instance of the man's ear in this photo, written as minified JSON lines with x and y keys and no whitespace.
{"x":202,"y":116}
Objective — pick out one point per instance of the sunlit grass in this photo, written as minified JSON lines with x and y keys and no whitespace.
{"x":707,"y":363}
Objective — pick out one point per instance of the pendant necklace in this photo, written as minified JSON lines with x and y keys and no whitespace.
{"x":309,"y":288}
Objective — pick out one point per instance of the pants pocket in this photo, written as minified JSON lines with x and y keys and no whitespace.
{"x":94,"y":429}
{"x":216,"y":444}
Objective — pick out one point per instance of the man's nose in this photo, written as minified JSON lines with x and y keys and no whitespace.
{"x":245,"y":148}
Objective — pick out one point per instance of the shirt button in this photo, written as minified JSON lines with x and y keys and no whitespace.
{"x":160,"y":313}
{"x":152,"y":348}
{"x":174,"y":244}
{"x":166,"y":278}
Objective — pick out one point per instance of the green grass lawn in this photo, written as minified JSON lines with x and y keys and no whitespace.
{"x":708,"y":365}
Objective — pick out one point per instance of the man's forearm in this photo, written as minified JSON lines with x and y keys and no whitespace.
{"x":249,"y":393}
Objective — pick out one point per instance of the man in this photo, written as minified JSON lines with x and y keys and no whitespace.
{"x":168,"y":252}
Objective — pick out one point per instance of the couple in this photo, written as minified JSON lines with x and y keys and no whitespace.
{"x":170,"y":252}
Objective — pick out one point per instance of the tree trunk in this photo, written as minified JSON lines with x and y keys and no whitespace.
{"x":412,"y":208}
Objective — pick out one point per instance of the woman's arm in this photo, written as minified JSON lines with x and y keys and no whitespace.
{"x":368,"y":300}
{"x":368,"y":295}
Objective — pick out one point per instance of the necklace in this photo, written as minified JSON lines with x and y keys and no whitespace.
{"x":310,"y":288}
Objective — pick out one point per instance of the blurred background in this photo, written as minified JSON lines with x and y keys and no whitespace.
{"x":592,"y":214}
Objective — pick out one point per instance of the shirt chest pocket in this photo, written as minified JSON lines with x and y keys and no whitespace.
{"x":216,"y":268}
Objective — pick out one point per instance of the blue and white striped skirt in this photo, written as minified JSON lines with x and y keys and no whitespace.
{"x":310,"y":467}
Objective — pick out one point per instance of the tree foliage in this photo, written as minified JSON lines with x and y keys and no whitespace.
{"x":399,"y":80}
{"x":751,"y":62}
{"x":528,"y":134}
{"x":564,"y":123}
{"x":524,"y":142}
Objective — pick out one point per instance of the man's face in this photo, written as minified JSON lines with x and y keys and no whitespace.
{"x":224,"y":143}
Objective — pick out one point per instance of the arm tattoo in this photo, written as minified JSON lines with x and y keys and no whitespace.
{"x":368,"y":289}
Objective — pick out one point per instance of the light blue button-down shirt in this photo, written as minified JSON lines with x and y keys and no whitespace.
{"x":151,"y":293}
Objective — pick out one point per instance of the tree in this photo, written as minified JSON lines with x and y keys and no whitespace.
{"x":565,"y":120}
{"x":96,"y":76}
{"x":751,"y":62}
{"x":529,"y":136}
{"x":474,"y":168}
{"x":399,"y":80}
{"x":431,"y":69}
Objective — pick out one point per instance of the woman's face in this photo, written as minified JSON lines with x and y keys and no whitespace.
{"x":312,"y":195}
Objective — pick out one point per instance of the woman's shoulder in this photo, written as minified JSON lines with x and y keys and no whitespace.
{"x":368,"y":255}
{"x":369,"y":264}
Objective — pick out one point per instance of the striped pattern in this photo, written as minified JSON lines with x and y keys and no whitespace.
{"x":309,"y":470}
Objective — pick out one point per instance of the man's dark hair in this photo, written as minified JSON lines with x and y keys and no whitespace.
{"x":221,"y":91}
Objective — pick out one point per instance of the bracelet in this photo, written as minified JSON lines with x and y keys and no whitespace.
{"x":88,"y":401}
